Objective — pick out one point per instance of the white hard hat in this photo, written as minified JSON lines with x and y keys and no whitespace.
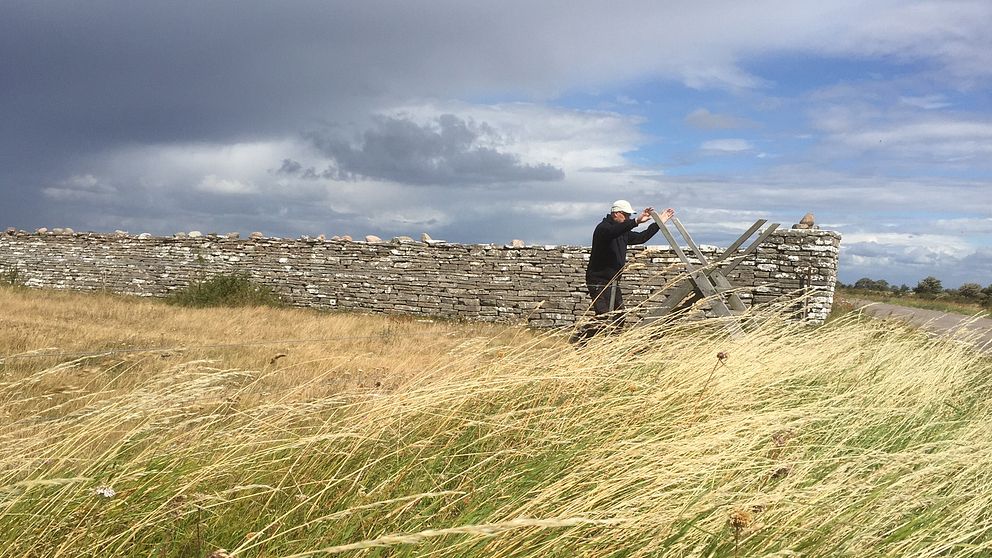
{"x":622,"y":205}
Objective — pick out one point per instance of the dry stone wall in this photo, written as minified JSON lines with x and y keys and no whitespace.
{"x":542,"y":286}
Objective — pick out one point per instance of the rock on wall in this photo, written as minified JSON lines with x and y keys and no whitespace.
{"x":540,"y":285}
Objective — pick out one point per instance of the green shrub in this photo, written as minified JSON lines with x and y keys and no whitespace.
{"x":11,"y":278}
{"x":929,"y":286}
{"x":235,"y":289}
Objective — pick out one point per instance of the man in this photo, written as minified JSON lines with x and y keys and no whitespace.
{"x":607,"y":259}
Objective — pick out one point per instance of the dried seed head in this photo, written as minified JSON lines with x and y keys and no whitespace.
{"x":722,"y":356}
{"x":781,"y":472}
{"x":740,"y":519}
{"x":782,"y":437}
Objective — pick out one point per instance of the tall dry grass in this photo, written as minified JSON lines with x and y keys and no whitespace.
{"x":857,"y":438}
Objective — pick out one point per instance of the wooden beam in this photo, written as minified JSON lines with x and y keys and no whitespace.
{"x":698,"y":277}
{"x":721,"y":282}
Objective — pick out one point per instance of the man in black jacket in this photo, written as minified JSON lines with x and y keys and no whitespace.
{"x":607,"y":259}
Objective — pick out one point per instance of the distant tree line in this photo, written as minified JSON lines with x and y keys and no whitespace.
{"x":929,"y":286}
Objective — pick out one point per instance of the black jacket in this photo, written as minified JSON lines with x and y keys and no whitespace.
{"x":609,"y":248}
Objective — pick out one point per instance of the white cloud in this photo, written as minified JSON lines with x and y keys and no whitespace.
{"x":727,"y":145}
{"x":934,"y":139}
{"x":215,"y":184}
{"x":926,"y":102}
{"x":911,"y":243}
{"x":965,"y":225}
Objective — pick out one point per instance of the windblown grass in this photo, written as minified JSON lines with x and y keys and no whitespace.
{"x":858,"y":438}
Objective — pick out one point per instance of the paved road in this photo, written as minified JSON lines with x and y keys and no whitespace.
{"x":979,"y":330}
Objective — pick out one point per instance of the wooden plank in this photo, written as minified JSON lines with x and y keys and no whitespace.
{"x":700,"y":281}
{"x":740,"y":240}
{"x":699,"y":278}
{"x":671,"y":240}
{"x":688,"y":240}
{"x":673,"y":299}
{"x":723,"y":285}
{"x":678,"y":293}
{"x":754,"y":246}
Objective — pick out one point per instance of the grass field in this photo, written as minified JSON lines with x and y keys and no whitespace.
{"x":283,"y":432}
{"x":940,"y":304}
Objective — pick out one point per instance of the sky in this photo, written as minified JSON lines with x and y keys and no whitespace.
{"x":484,"y":122}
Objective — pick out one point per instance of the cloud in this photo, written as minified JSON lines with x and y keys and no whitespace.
{"x":216,"y":184}
{"x":903,"y":261}
{"x":945,"y":245}
{"x":727,"y":145}
{"x":979,"y":266}
{"x":965,"y":225}
{"x":862,"y":123}
{"x":292,"y":185}
{"x":80,"y":188}
{"x":926,"y":102}
{"x":932,"y":139}
{"x":448,"y":150}
{"x":289,"y":166}
{"x":705,"y":120}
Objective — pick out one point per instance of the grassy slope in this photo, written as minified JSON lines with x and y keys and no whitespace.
{"x":852,"y":439}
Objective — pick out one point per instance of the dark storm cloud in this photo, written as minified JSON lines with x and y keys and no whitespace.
{"x":445,"y":151}
{"x":83,"y":79}
{"x":289,"y":166}
{"x":86,"y":75}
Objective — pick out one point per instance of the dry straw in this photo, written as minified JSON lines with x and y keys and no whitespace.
{"x":857,"y":438}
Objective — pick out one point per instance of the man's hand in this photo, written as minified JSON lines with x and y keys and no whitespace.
{"x":646,"y":215}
